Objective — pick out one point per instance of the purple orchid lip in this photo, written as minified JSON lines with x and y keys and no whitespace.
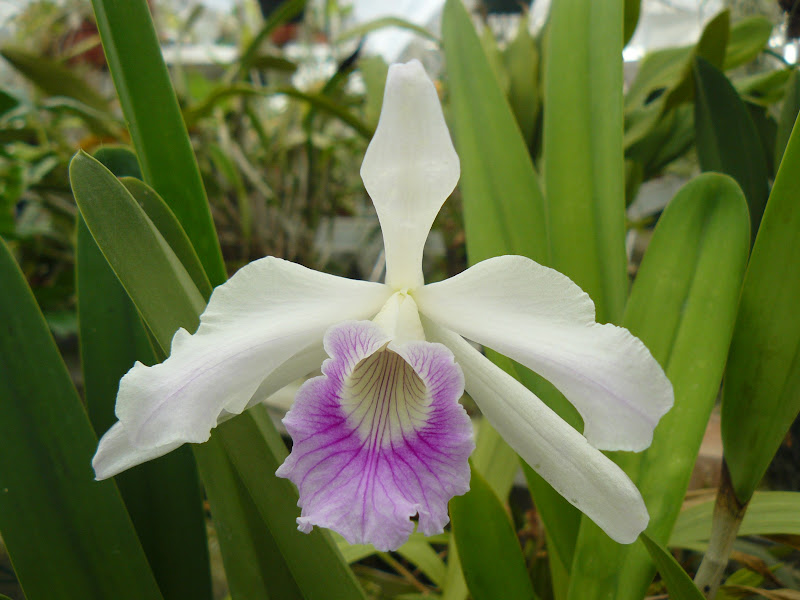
{"x":379,"y":437}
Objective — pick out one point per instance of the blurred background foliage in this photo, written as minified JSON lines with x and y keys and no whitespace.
{"x":279,"y":121}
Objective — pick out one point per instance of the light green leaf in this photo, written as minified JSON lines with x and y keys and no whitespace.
{"x":727,"y":140}
{"x":769,"y":513}
{"x":376,"y":24}
{"x":679,"y":584}
{"x":583,"y":159}
{"x":682,"y":306}
{"x":747,"y":39}
{"x":760,"y":399}
{"x":68,"y":535}
{"x":488,"y":547}
{"x":154,"y":121}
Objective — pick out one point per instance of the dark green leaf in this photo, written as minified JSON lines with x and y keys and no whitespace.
{"x":154,"y":120}
{"x":68,"y":535}
{"x":170,"y":524}
{"x":120,"y":160}
{"x":632,"y":9}
{"x":488,"y":547}
{"x":760,"y":399}
{"x":789,"y":110}
{"x":142,"y":260}
{"x":727,"y":139}
{"x":679,"y":584}
{"x":522,"y":64}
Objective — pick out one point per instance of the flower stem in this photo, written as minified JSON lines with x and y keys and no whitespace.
{"x":728,"y":515}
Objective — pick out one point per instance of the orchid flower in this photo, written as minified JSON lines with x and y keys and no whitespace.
{"x":380,"y":436}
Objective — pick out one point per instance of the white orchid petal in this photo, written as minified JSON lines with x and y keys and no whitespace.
{"x":268,"y":311}
{"x":116,"y":454}
{"x":576,"y":470}
{"x":409,"y":170}
{"x":540,"y":318}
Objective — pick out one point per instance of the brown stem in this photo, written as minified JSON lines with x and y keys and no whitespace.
{"x":728,"y":515}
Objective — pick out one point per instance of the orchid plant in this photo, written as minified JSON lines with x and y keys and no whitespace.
{"x":599,"y":372}
{"x":381,"y":436}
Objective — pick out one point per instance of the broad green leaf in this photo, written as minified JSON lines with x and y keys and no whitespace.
{"x":120,"y":160}
{"x":168,"y":226}
{"x":726,"y":138}
{"x":419,"y":552}
{"x":521,"y":58}
{"x":488,"y":547}
{"x":584,"y":170}
{"x":789,"y":111}
{"x":54,"y":78}
{"x":254,"y":567}
{"x":678,"y":582}
{"x":632,"y":10}
{"x":747,"y":39}
{"x":769,"y":513}
{"x":142,"y":260}
{"x":670,"y":138}
{"x":170,"y":525}
{"x":760,"y":399}
{"x":256,"y":450}
{"x":68,"y":535}
{"x":682,"y":306}
{"x":154,"y":121}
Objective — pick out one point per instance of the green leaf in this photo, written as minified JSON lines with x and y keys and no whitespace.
{"x":54,"y":78}
{"x":120,"y":160}
{"x":769,"y":513}
{"x":284,"y":12}
{"x":632,"y":10}
{"x":152,"y":275}
{"x":170,"y":525}
{"x":583,"y":159}
{"x":420,"y":553}
{"x":254,"y":567}
{"x":503,"y":204}
{"x":764,"y":89}
{"x":679,"y":584}
{"x":168,"y":226}
{"x":68,"y":535}
{"x":154,"y":120}
{"x":727,"y":139}
{"x":682,"y":306}
{"x":789,"y":111}
{"x":488,"y":547}
{"x":760,"y":399}
{"x":521,"y":58}
{"x":256,"y":450}
{"x":747,"y":39}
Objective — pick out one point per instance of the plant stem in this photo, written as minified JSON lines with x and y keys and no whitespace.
{"x":728,"y":515}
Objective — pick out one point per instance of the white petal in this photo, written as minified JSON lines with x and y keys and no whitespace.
{"x":540,"y":318}
{"x":268,"y":311}
{"x":116,"y":454}
{"x":409,"y":170}
{"x":576,"y":470}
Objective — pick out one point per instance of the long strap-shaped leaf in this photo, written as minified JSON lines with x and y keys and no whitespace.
{"x":682,"y":306}
{"x":154,"y":120}
{"x":102,"y":199}
{"x":583,"y":158}
{"x":170,"y":524}
{"x":68,"y":535}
